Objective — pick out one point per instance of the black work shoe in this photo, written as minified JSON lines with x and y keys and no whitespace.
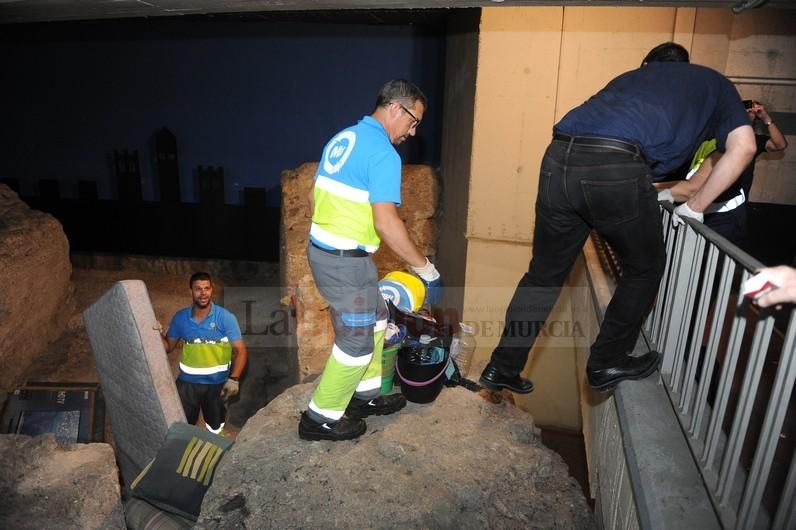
{"x":494,"y":380}
{"x":604,"y":378}
{"x":342,"y":429}
{"x":380,"y":406}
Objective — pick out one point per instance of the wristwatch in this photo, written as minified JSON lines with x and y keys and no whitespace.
{"x":769,"y":123}
{"x":236,"y":379}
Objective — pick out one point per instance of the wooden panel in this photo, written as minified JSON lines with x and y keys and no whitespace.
{"x":601,"y":43}
{"x":514,"y":110}
{"x":712,"y":38}
{"x":684,"y":21}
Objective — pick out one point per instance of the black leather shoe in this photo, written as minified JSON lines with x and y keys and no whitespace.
{"x":605,"y":377}
{"x":343,"y":429}
{"x":494,"y":380}
{"x":380,"y":406}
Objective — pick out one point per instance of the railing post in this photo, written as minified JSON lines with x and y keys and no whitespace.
{"x":664,"y":291}
{"x":725,"y":385}
{"x":697,"y":337}
{"x":694,"y":248}
{"x":751,"y":380}
{"x":677,"y":297}
{"x":722,"y":301}
{"x":769,"y":435}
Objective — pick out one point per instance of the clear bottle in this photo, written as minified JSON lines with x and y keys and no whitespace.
{"x":463,"y":347}
{"x":425,"y":348}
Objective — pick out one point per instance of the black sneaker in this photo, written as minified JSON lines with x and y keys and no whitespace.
{"x":343,"y":429}
{"x":380,"y":406}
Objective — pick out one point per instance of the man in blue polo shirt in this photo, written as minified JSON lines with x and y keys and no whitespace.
{"x":597,"y":174}
{"x":212,"y":344}
{"x":354,"y":205}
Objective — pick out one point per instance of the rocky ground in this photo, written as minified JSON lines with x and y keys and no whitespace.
{"x":463,"y":461}
{"x":459,"y":462}
{"x":44,"y":485}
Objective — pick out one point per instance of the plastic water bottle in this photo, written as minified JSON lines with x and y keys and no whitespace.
{"x":425,"y":348}
{"x":462,"y":347}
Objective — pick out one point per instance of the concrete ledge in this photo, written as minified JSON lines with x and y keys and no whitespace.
{"x":666,"y":484}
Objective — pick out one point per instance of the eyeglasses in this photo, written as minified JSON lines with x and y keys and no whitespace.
{"x":416,"y":124}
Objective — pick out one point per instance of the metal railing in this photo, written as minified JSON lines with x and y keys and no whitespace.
{"x":729,"y":370}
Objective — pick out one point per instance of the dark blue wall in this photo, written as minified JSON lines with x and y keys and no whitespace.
{"x":253,"y":97}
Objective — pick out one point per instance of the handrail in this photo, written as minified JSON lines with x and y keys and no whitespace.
{"x":722,"y":366}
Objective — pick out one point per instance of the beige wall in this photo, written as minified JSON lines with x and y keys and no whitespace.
{"x":534,"y":64}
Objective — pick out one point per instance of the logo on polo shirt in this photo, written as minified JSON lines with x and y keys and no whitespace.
{"x":338,"y":151}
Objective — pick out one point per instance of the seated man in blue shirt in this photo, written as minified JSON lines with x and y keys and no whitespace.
{"x":212,"y":344}
{"x":597,"y":174}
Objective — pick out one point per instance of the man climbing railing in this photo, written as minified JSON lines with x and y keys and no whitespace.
{"x":729,"y":370}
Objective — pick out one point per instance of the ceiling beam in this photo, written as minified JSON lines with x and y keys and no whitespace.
{"x":25,"y":11}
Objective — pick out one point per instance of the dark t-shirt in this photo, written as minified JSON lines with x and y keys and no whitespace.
{"x":667,"y":109}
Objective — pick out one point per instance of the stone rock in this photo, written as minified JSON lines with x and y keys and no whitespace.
{"x":459,"y":462}
{"x":44,"y":485}
{"x":314,"y":335}
{"x":36,"y":301}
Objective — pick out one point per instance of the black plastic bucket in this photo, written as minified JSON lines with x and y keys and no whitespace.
{"x":420,"y":383}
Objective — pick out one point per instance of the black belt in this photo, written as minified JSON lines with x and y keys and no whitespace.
{"x":596,"y":141}
{"x":344,"y":253}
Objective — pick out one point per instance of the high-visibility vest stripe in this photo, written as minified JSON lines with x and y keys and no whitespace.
{"x":340,"y":189}
{"x":333,"y":415}
{"x":349,"y":360}
{"x":369,"y":384}
{"x":334,"y":241}
{"x":204,"y":371}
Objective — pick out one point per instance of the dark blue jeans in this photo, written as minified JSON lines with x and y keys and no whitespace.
{"x":583,"y":188}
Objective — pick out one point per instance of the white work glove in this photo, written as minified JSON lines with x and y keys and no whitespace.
{"x":665,"y":195}
{"x":431,"y":279}
{"x":230,"y":390}
{"x":427,"y":272}
{"x":684,"y":211}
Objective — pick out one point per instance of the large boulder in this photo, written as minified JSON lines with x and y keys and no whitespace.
{"x":35,"y":301}
{"x":460,"y":462}
{"x":45,"y":485}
